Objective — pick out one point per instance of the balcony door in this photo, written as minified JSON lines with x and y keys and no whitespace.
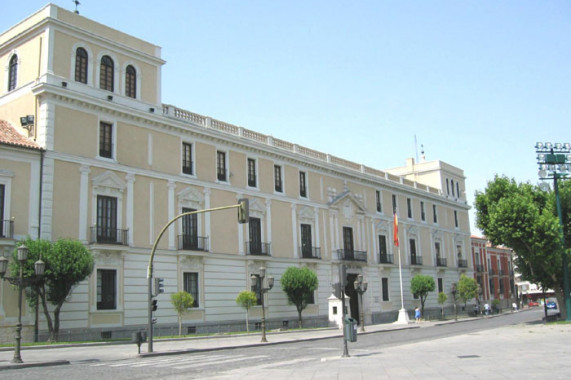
{"x":189,"y":230}
{"x":348,"y":243}
{"x":306,"y":247}
{"x":255,"y":227}
{"x":106,"y":219}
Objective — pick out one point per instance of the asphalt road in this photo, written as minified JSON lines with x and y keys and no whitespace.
{"x":282,"y":356}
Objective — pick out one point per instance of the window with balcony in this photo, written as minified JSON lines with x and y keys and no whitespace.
{"x":255,"y":245}
{"x":302,"y":185}
{"x":394,"y":197}
{"x":414,"y":258}
{"x":105,"y":140}
{"x":106,"y":73}
{"x":107,"y":219}
{"x":422,"y":212}
{"x":278,"y":181}
{"x":221,"y":166}
{"x":13,"y":73}
{"x":385,"y":288}
{"x":306,"y":246}
{"x":190,"y":238}
{"x":252,"y":178}
{"x":106,"y":289}
{"x":434,"y":214}
{"x":384,"y":257}
{"x":190,"y":285}
{"x":81,"y":65}
{"x":187,"y":164}
{"x":131,"y":82}
{"x":6,"y":227}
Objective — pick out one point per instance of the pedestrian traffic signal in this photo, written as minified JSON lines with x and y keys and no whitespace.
{"x":243,"y":210}
{"x":154,"y":305}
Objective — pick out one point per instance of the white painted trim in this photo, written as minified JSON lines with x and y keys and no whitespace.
{"x":83,"y":202}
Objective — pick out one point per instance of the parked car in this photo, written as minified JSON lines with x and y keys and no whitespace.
{"x":532,"y":303}
{"x":551,"y":305}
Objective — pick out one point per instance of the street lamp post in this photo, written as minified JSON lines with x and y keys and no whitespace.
{"x":21,"y":282}
{"x":263,"y":290}
{"x":361,"y":287}
{"x":554,"y":161}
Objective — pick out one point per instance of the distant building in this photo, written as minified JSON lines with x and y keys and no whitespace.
{"x":102,"y":160}
{"x":494,"y":271}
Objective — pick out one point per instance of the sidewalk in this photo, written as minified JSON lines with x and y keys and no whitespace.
{"x":39,"y":356}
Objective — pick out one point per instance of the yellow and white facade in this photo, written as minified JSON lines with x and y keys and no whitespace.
{"x":113,"y":165}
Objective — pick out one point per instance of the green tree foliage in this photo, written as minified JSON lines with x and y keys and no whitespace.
{"x":247,"y":299}
{"x":68,"y":262}
{"x":420,"y":286}
{"x":299,"y":285}
{"x":467,"y":288}
{"x":442,"y":297}
{"x":181,"y":301}
{"x":524,"y":218}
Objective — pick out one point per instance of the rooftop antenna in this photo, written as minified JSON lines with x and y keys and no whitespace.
{"x":422,"y":155}
{"x":76,"y":2}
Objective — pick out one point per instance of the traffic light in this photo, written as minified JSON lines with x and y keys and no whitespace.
{"x":154,"y":307}
{"x":159,"y":285}
{"x":243,"y":210}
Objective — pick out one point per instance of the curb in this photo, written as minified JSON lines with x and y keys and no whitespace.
{"x":188,"y":351}
{"x":33,"y":364}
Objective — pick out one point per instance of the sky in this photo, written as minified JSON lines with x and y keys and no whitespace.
{"x":474,"y":83}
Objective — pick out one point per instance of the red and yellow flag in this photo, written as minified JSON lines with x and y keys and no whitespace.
{"x":396,"y":230}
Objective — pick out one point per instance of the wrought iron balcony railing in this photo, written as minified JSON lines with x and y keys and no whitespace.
{"x":352,"y":255}
{"x":462,"y":263}
{"x":192,"y":243}
{"x":440,"y":261}
{"x":105,"y":235}
{"x":258,"y":249}
{"x":479,"y":268}
{"x":416,"y":260}
{"x":7,"y":229}
{"x":309,"y":252}
{"x":386,"y":259}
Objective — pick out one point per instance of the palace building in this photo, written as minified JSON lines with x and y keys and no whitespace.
{"x":88,"y":151}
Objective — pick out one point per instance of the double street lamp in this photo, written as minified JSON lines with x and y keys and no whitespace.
{"x":264,"y":287}
{"x":360,"y":288}
{"x":554,"y":162}
{"x":21,"y":282}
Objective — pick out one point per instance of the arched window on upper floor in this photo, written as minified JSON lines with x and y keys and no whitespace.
{"x":13,"y":73}
{"x":106,"y":73}
{"x":131,"y":82}
{"x":81,"y":65}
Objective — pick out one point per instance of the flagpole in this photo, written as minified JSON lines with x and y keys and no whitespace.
{"x":403,"y":315}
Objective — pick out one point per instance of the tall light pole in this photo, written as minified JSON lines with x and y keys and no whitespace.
{"x":21,"y":282}
{"x":554,"y":162}
{"x":263,"y":290}
{"x":361,"y":287}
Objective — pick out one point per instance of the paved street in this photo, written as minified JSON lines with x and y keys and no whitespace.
{"x":471,"y":350}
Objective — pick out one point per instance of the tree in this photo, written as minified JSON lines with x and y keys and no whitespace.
{"x":524,"y":218}
{"x":420,"y":286}
{"x":442,"y":297}
{"x":247,"y":299}
{"x":68,"y":262}
{"x":467,"y":288}
{"x":182,"y":301}
{"x":299,"y":285}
